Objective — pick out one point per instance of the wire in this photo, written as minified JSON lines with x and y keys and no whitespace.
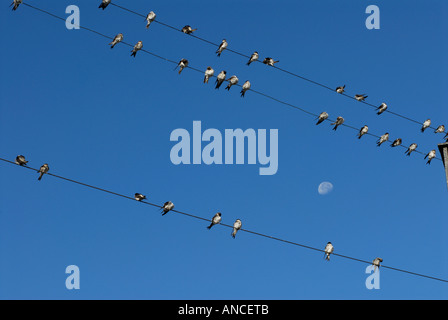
{"x":275,"y":67}
{"x":202,"y":72}
{"x":222,"y":224}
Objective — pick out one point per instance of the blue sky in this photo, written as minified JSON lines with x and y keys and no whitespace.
{"x":99,"y":116}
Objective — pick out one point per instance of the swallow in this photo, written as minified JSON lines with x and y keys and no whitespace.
{"x":137,"y":48}
{"x":43,"y":170}
{"x":139,"y":197}
{"x":253,"y":57}
{"x":270,"y":62}
{"x":182,"y":65}
{"x":328,"y":250}
{"x":236,"y":226}
{"x":337,"y":123}
{"x":396,"y":143}
{"x":232,"y":81}
{"x":20,"y":160}
{"x":222,"y":47}
{"x":360,"y":97}
{"x":118,"y":38}
{"x":208,"y":74}
{"x":220,"y":79}
{"x":376,"y":263}
{"x":215,"y":220}
{"x":104,"y":4}
{"x":440,"y":129}
{"x":363,"y":131}
{"x":167,"y":207}
{"x":246,"y":86}
{"x":426,"y":125}
{"x":411,"y":148}
{"x":322,"y":117}
{"x":431,"y":155}
{"x":382,"y":139}
{"x":340,"y":89}
{"x":150,"y":18}
{"x":188,"y":30}
{"x":381,"y":108}
{"x":16,"y":4}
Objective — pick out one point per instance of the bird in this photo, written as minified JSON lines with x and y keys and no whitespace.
{"x":182,"y":65}
{"x":363,"y":131}
{"x":215,"y":220}
{"x":411,"y":148}
{"x":208,"y":74}
{"x":43,"y":170}
{"x":20,"y":160}
{"x":376,"y":263}
{"x":139,"y":197}
{"x":220,"y":79}
{"x":270,"y":62}
{"x":104,"y":4}
{"x":188,"y":30}
{"x":328,"y":250}
{"x":337,"y":123}
{"x":232,"y":81}
{"x":360,"y":97}
{"x":150,"y":18}
{"x":431,"y":155}
{"x":16,"y":4}
{"x":236,"y":226}
{"x":222,"y":47}
{"x":382,"y":139}
{"x":253,"y":57}
{"x":440,"y":129}
{"x":340,"y":89}
{"x":322,"y":117}
{"x":246,"y":86}
{"x":118,"y":38}
{"x":396,"y":143}
{"x":137,"y":48}
{"x":426,"y":125}
{"x":167,"y":207}
{"x":381,"y":108}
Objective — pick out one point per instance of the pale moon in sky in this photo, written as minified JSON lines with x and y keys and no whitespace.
{"x":325,"y":188}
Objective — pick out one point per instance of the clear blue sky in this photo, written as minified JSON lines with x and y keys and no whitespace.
{"x":99,"y":116}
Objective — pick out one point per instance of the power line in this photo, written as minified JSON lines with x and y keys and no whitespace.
{"x":275,"y":67}
{"x":202,"y":72}
{"x":222,"y":224}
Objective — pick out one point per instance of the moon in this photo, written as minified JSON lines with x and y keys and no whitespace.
{"x":325,"y":188}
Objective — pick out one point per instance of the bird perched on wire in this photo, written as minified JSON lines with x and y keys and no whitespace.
{"x":215,"y":220}
{"x":270,"y":62}
{"x":361,"y":97}
{"x":232,"y":81}
{"x":182,"y":65}
{"x":328,"y":250}
{"x":16,"y":4}
{"x":340,"y":89}
{"x":440,"y":129}
{"x":188,"y":30}
{"x":377,"y":263}
{"x":337,"y":123}
{"x":396,"y":143}
{"x":43,"y":170}
{"x":222,"y":47}
{"x":20,"y":160}
{"x":253,"y":57}
{"x":426,"y":125}
{"x":139,"y":197}
{"x":363,"y":131}
{"x":220,"y":79}
{"x":382,"y":139}
{"x":150,"y":18}
{"x":411,"y":149}
{"x":137,"y":48}
{"x":236,"y":226}
{"x":322,"y":117}
{"x":104,"y":4}
{"x":246,"y":86}
{"x":381,"y":108}
{"x":431,"y":155}
{"x":208,"y":74}
{"x":167,"y":207}
{"x":118,"y":38}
